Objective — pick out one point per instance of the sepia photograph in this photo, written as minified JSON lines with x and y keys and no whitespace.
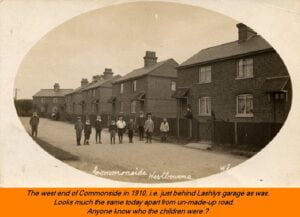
{"x":152,"y":92}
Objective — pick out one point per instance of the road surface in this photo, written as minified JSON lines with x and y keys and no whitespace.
{"x":133,"y":162}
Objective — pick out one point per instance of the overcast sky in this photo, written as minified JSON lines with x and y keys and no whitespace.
{"x":117,"y":37}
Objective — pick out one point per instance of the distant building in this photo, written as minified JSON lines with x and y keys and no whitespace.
{"x":243,"y":82}
{"x":91,"y":98}
{"x":48,"y":101}
{"x":147,"y":89}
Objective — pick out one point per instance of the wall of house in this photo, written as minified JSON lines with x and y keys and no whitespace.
{"x":127,"y":95}
{"x":224,"y":88}
{"x":159,"y":97}
{"x":74,"y":98}
{"x":47,"y":106}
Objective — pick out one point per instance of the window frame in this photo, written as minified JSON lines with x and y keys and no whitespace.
{"x":134,"y":85}
{"x":243,"y":65}
{"x":206,"y":72}
{"x":244,"y":114}
{"x":121,"y":88}
{"x":206,"y":100}
{"x":173,"y":86}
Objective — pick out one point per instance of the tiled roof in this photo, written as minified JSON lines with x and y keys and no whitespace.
{"x":231,"y":49}
{"x":144,"y":70}
{"x":52,"y":93}
{"x":102,"y":83}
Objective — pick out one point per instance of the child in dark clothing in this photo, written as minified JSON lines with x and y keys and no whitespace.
{"x":130,"y":130}
{"x":112,"y":130}
{"x":98,"y":128}
{"x":87,"y":132}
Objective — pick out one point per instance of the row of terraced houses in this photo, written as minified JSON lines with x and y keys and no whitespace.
{"x":238,"y":93}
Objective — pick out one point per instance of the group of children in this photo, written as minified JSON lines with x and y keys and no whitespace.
{"x":119,"y":127}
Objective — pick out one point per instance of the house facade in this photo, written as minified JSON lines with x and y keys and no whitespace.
{"x":91,"y":98}
{"x":244,"y":82}
{"x":147,"y":89}
{"x":48,"y":101}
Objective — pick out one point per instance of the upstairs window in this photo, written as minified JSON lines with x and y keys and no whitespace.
{"x":245,"y":68}
{"x":42,"y":100}
{"x":94,"y":92}
{"x":133,"y":86}
{"x":173,"y":86}
{"x":121,"y":88}
{"x":205,"y":74}
{"x":55,"y":100}
{"x":244,"y":105}
{"x":204,"y":106}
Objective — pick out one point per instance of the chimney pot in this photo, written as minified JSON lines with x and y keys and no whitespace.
{"x":150,"y":58}
{"x":56,"y":87}
{"x":108,"y":73}
{"x":84,"y":82}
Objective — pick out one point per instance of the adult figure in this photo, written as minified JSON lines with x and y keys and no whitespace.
{"x":149,"y":128}
{"x":78,"y":128}
{"x":98,"y":129}
{"x":121,"y":124}
{"x":141,"y":122}
{"x":164,"y":129}
{"x":34,"y":123}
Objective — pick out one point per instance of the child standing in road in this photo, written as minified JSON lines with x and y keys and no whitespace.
{"x":78,"y":128}
{"x":130,"y":130}
{"x":149,"y":128}
{"x":98,"y":128}
{"x":87,"y":132}
{"x":112,"y":130}
{"x":121,"y":124}
{"x":164,"y":129}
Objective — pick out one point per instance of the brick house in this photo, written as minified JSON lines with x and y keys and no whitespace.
{"x":47,"y":101}
{"x":147,"y":89}
{"x":242,"y":85}
{"x":91,"y":98}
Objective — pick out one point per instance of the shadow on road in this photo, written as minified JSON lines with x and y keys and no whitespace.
{"x":56,"y":152}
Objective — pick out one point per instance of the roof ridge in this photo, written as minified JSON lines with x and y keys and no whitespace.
{"x":150,"y":68}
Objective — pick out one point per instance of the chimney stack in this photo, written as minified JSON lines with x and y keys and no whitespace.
{"x":56,"y":87}
{"x":96,"y":78}
{"x":150,"y":58}
{"x":107,"y":74}
{"x":84,"y":82}
{"x":245,"y":32}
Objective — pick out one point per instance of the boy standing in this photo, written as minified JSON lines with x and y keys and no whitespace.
{"x":141,"y":123}
{"x":34,"y":123}
{"x":164,"y":129}
{"x":149,"y":128}
{"x":87,"y":131}
{"x":130,"y":130}
{"x":98,"y":128}
{"x":78,"y":128}
{"x":112,"y":130}
{"x":121,"y":124}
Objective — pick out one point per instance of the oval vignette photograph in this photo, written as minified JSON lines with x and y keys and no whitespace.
{"x":152,"y":92}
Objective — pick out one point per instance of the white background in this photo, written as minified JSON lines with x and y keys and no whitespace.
{"x":24,"y":163}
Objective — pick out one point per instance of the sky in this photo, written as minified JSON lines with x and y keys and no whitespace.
{"x":117,"y":37}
